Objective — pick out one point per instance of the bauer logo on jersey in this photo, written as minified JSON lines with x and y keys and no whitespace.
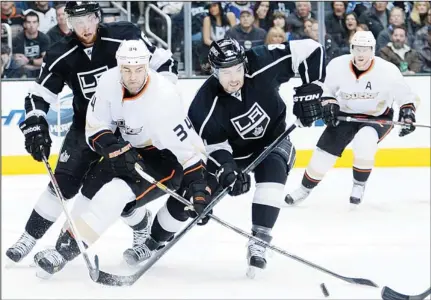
{"x":252,"y":124}
{"x":88,"y":81}
{"x":358,"y":95}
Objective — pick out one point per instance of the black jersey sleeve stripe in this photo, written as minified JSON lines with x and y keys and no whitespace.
{"x":61,"y":57}
{"x":308,"y":60}
{"x":201,"y":129}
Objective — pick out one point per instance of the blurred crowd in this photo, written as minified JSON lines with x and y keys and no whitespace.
{"x":402,"y":29}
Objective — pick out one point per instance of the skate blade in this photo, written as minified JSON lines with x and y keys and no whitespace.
{"x":252,"y":272}
{"x":42,"y":274}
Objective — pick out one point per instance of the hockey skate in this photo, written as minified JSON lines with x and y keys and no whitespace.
{"x":297,"y":196}
{"x":357,"y":193}
{"x":256,"y":253}
{"x":49,"y":262}
{"x":142,"y":252}
{"x":21,"y":248}
{"x":143,"y":244}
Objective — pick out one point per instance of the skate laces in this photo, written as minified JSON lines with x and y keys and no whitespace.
{"x":300,"y":193}
{"x":357,"y":190}
{"x":256,"y":249}
{"x":142,"y":251}
{"x":140,"y":236}
{"x":25,"y":243}
{"x":53,"y":256}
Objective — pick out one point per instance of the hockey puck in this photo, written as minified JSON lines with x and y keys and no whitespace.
{"x":324,"y":290}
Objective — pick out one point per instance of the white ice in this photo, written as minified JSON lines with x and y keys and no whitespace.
{"x":385,"y":239}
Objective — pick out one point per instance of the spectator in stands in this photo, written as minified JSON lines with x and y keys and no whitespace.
{"x":285,"y":7}
{"x":425,"y":53}
{"x":358,"y":7}
{"x":245,"y":32}
{"x":46,"y":13}
{"x":279,"y":20}
{"x":216,"y":24}
{"x":60,"y":30}
{"x":214,"y":28}
{"x":30,"y":46}
{"x":400,"y":54}
{"x":331,"y":48}
{"x":295,"y":22}
{"x":335,"y":21}
{"x":275,"y":35}
{"x":418,"y":17}
{"x":397,"y":18}
{"x":376,"y":18}
{"x":236,"y":7}
{"x":12,"y":16}
{"x":9,"y":67}
{"x":262,"y":15}
{"x":351,"y":26}
{"x":421,"y":37}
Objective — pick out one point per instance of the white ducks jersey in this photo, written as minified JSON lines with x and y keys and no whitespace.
{"x":153,"y":117}
{"x":372,"y":93}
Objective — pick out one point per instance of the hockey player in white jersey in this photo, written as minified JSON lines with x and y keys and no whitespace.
{"x":155,"y":133}
{"x":362,"y":86}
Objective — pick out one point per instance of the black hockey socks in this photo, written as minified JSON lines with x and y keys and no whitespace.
{"x":309,"y":182}
{"x":37,"y":225}
{"x":264,"y":215}
{"x":67,"y":246}
{"x":361,"y":175}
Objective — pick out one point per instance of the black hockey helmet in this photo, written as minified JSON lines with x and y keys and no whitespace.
{"x":82,"y":8}
{"x":226,"y":53}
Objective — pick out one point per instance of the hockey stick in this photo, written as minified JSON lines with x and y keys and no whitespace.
{"x":380,"y":122}
{"x":390,"y":294}
{"x":150,"y":179}
{"x":94,"y":272}
{"x":118,"y":280}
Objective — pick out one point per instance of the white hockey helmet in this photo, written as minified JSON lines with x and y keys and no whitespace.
{"x":363,"y":39}
{"x":133,"y":52}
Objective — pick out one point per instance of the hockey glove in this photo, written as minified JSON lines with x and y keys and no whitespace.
{"x":331,"y":109}
{"x":36,"y":134}
{"x":306,"y":103}
{"x":197,"y":190}
{"x":229,"y":175}
{"x":407,"y":115}
{"x":120,"y":154}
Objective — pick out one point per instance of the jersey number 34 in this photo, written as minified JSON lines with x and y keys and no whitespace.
{"x":181,"y":131}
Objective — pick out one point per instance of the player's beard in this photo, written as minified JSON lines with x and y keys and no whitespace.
{"x":398,"y":45}
{"x":87,"y":39}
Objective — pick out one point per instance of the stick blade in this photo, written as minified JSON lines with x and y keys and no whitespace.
{"x":109,"y":279}
{"x":362,"y":281}
{"x":390,"y":294}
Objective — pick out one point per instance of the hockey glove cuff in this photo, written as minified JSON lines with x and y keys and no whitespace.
{"x":407,"y":115}
{"x":197,"y":190}
{"x":306,"y":103}
{"x":36,"y":134}
{"x":331,"y":110}
{"x":120,"y":154}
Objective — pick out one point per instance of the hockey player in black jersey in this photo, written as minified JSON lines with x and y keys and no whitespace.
{"x":237,"y":112}
{"x":78,"y":61}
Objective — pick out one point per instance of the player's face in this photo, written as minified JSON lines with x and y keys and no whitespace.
{"x":362,"y":57}
{"x":232,"y":79}
{"x":85,"y":28}
{"x":133,"y":77}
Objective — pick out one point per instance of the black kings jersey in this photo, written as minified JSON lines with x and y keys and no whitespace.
{"x":245,"y":122}
{"x":68,"y":62}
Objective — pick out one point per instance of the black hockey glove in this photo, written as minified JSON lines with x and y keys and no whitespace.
{"x":36,"y":133}
{"x":197,"y":190}
{"x":229,"y":175}
{"x":306,"y":103}
{"x":331,"y":109}
{"x":120,"y":154}
{"x":407,"y":115}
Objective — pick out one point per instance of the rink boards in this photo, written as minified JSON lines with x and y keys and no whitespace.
{"x":410,"y":151}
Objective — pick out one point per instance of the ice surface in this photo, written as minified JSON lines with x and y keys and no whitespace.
{"x":386,"y":239}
